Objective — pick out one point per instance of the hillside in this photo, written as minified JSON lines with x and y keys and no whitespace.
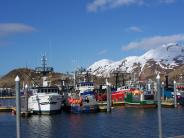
{"x":28,"y":76}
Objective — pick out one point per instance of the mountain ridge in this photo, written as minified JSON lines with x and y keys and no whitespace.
{"x":162,"y":59}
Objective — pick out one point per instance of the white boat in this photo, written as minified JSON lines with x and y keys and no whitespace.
{"x":85,"y":86}
{"x":45,"y":100}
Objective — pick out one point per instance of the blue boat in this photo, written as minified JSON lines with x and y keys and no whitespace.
{"x":85,"y":101}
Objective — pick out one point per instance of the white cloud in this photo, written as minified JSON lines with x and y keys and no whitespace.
{"x":13,"y":28}
{"x":151,"y":42}
{"x":97,"y":5}
{"x":135,"y":29}
{"x":105,"y":4}
{"x":104,"y":51}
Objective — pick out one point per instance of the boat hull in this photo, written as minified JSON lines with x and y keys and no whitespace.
{"x":45,"y":104}
{"x":102,"y":106}
{"x":81,"y":109}
{"x":167,"y":105}
{"x":120,"y":103}
{"x":48,"y":112}
{"x":137,"y":99}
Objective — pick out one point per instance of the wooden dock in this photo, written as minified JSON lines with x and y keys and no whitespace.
{"x":5,"y":109}
{"x":7,"y":97}
{"x":13,"y":110}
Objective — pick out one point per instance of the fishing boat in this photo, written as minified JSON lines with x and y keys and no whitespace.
{"x":85,"y":86}
{"x":45,"y":99}
{"x":82,"y":101}
{"x":102,"y":106}
{"x":118,"y":96}
{"x":102,"y":101}
{"x":179,"y":93}
{"x":138,"y":99}
{"x":169,"y":103}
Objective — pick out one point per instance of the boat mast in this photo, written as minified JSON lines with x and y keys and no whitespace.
{"x":44,"y":60}
{"x":44,"y":70}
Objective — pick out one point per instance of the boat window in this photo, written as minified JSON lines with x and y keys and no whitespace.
{"x":42,"y":90}
{"x":149,"y":97}
{"x":49,"y":90}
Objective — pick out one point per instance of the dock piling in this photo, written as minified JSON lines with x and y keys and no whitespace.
{"x":17,"y":89}
{"x":175,"y":98}
{"x":163,"y":97}
{"x":108,"y":97}
{"x":26,"y":98}
{"x":159,"y":106}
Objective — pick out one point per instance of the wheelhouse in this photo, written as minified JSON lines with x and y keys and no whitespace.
{"x":46,"y":90}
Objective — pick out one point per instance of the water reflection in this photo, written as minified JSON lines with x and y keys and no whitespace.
{"x":120,"y":123}
{"x":7,"y":102}
{"x":40,"y":126}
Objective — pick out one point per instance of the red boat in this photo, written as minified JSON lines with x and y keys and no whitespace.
{"x":117,"y":97}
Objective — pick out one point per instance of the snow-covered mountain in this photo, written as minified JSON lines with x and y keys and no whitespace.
{"x":165,"y":57}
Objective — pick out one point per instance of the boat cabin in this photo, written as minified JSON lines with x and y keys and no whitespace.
{"x":46,"y":90}
{"x":85,"y":86}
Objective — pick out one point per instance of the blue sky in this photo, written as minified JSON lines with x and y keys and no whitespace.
{"x":76,"y":33}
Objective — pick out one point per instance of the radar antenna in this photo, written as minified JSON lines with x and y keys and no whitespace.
{"x":44,"y":70}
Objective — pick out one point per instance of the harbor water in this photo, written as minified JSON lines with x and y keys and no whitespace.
{"x":120,"y":123}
